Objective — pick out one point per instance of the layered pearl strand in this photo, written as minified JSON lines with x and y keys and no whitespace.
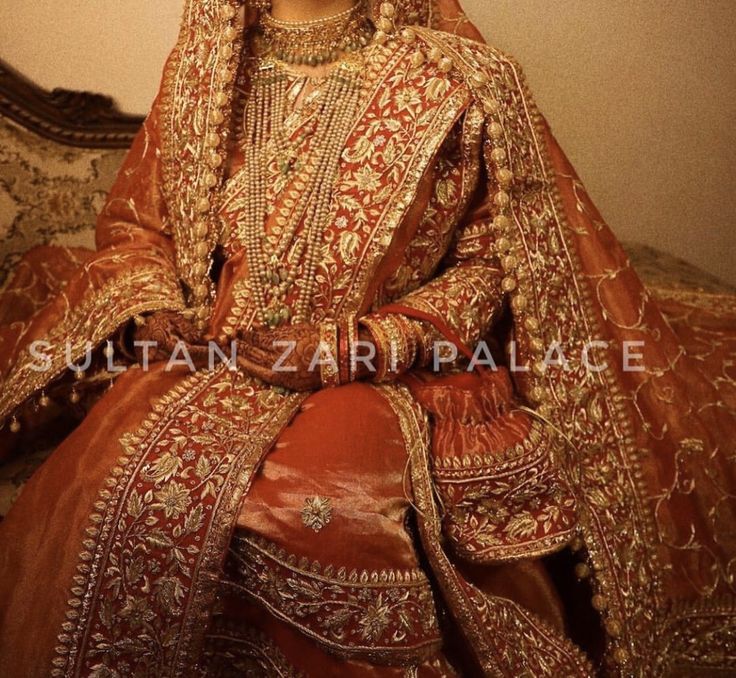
{"x":277,"y":264}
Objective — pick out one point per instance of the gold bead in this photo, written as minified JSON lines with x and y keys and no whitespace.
{"x":385,"y":25}
{"x":220,"y":98}
{"x":74,"y":397}
{"x":218,"y":117}
{"x":200,"y":229}
{"x":139,"y":320}
{"x":15,"y":425}
{"x":230,"y":33}
{"x":202,"y":249}
{"x":502,"y":222}
{"x":539,"y":369}
{"x":545,"y":410}
{"x":203,"y":205}
{"x":509,"y":262}
{"x":435,"y":54}
{"x":227,"y":51}
{"x":226,"y":75}
{"x":445,"y":64}
{"x":532,"y":325}
{"x":620,"y":656}
{"x":599,"y":602}
{"x":613,"y":628}
{"x":44,"y":400}
{"x":498,"y":155}
{"x":491,"y":106}
{"x":227,"y":11}
{"x":537,"y":394}
{"x":479,"y":79}
{"x":79,"y":375}
{"x":495,"y":130}
{"x":508,"y":284}
{"x":502,"y":199}
{"x":536,"y":345}
{"x":577,"y":544}
{"x":210,"y":180}
{"x":582,"y":571}
{"x":213,"y":139}
{"x":215,"y":160}
{"x":519,"y":303}
{"x":408,"y":36}
{"x":418,"y":59}
{"x":380,"y":37}
{"x":504,"y":176}
{"x":503,"y":245}
{"x":387,"y":10}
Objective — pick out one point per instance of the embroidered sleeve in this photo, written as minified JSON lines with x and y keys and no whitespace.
{"x":461,"y":303}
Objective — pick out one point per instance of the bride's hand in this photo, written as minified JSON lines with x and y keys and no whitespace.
{"x":165,"y":329}
{"x":282,"y":356}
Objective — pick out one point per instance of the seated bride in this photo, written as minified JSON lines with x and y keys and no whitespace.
{"x":383,"y":385}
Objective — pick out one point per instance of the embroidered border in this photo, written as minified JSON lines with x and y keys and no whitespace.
{"x":385,"y":616}
{"x":155,"y":543}
{"x":505,"y":638}
{"x":232,"y":650}
{"x":100,"y":312}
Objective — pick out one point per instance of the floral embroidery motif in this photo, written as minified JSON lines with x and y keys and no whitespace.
{"x":505,"y":638}
{"x":162,"y":522}
{"x":141,"y":284}
{"x":317,"y":512}
{"x":388,"y":613}
{"x":507,"y":506}
{"x":237,"y":650}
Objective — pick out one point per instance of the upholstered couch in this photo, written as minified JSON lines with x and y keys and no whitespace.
{"x":59,"y":153}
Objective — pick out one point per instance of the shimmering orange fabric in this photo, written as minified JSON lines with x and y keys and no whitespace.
{"x":209,"y":520}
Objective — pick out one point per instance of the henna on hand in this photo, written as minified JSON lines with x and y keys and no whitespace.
{"x":166,"y":329}
{"x":282,"y":356}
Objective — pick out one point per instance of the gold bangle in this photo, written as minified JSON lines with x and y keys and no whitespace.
{"x":426,"y":334}
{"x":328,"y":370}
{"x":348,"y":335}
{"x":380,"y":341}
{"x":410,"y":339}
{"x":398,"y":344}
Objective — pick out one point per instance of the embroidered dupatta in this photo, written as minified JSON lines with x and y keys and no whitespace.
{"x":653,"y":514}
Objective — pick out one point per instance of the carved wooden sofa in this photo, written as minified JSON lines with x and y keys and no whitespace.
{"x":59,"y":153}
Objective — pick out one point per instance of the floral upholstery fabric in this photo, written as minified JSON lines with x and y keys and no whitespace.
{"x":49,"y":193}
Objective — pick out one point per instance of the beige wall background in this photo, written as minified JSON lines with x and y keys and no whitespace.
{"x":641,"y":94}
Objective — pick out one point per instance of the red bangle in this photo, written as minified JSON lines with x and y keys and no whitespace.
{"x":343,"y":359}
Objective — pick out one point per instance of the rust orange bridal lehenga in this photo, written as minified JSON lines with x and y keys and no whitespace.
{"x":421,"y":524}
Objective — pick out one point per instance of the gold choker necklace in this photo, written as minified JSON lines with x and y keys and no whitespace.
{"x":317,"y":42}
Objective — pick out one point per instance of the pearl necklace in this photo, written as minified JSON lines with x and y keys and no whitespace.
{"x":278,"y":262}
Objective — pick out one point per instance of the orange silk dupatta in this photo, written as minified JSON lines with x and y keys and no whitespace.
{"x":648,"y":452}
